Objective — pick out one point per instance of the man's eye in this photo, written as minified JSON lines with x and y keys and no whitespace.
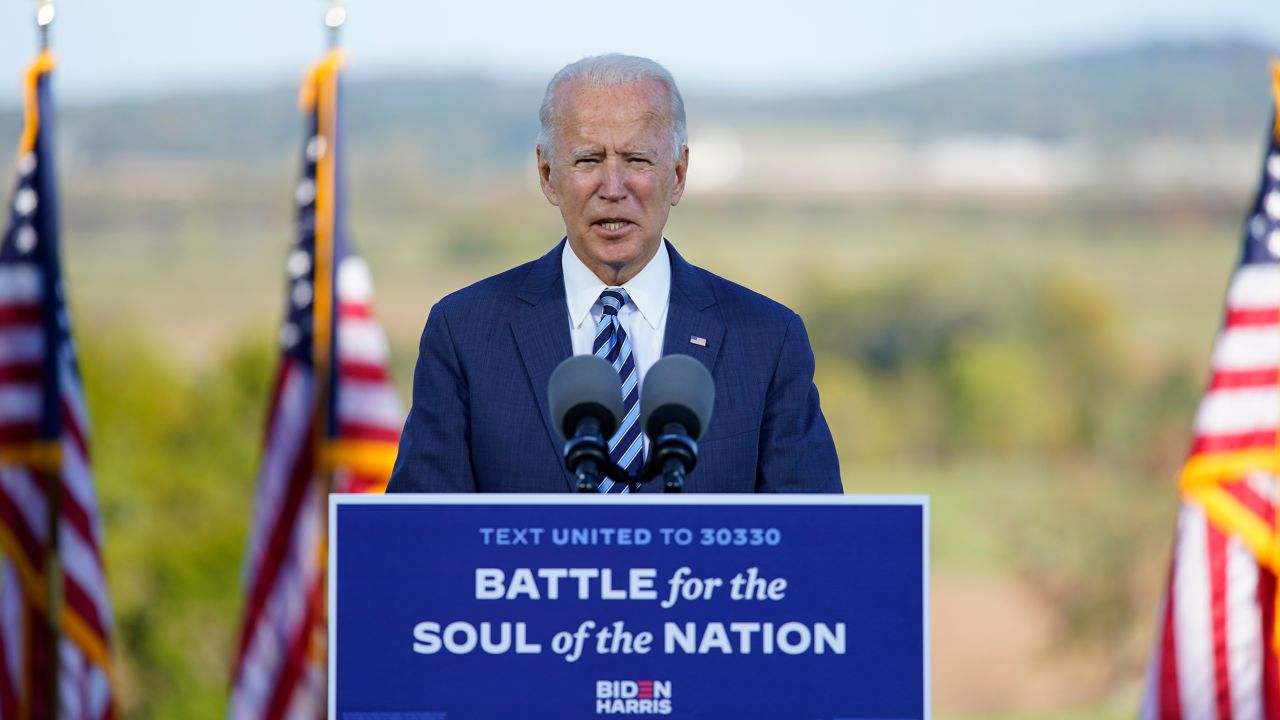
{"x":641,"y":161}
{"x":586,"y":161}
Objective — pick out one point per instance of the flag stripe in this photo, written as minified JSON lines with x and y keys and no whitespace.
{"x":362,"y":341}
{"x":369,"y":403}
{"x":1249,"y":316}
{"x":1170,"y":703}
{"x":356,"y":310}
{"x":1238,"y":411}
{"x":296,"y":658}
{"x":1216,"y":546}
{"x":286,"y":436}
{"x":20,"y":373}
{"x":21,"y":284}
{"x":363,"y":371}
{"x":22,"y":512}
{"x":1244,"y":646}
{"x":1227,"y":380}
{"x":1255,"y":286}
{"x":20,"y":315}
{"x":1196,"y":681}
{"x":1226,"y":442}
{"x":1265,"y":597}
{"x":284,"y":610}
{"x":80,"y":603}
{"x":74,"y":510}
{"x":11,"y":641}
{"x":74,"y":432}
{"x":1252,"y":501}
{"x":82,"y":572}
{"x":21,"y":346}
{"x":279,"y":537}
{"x":1248,"y":349}
{"x":359,"y":431}
{"x":19,"y":434}
{"x":20,"y":403}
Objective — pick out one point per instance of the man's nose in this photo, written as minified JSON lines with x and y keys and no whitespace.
{"x":613,"y":184}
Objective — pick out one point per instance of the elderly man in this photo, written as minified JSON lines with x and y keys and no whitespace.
{"x":612,"y":155}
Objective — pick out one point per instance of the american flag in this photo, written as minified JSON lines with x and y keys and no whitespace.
{"x":49,"y":524}
{"x":333,"y":425}
{"x":1215,"y":652}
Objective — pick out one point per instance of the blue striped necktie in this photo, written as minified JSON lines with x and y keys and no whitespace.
{"x":626,"y":446}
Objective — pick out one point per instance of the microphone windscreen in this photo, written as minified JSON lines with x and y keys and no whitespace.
{"x":585,"y":386}
{"x":677,"y":389}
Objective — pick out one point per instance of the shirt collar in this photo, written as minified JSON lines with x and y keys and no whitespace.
{"x":649,"y":289}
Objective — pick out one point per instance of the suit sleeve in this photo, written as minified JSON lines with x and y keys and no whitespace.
{"x":435,"y":446}
{"x":797,"y":453}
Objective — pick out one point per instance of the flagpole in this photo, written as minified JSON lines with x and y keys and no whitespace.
{"x":44,"y":18}
{"x":324,"y":305}
{"x":53,"y":488}
{"x":334,"y":18}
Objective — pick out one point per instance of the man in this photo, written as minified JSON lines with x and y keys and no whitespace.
{"x":612,"y":155}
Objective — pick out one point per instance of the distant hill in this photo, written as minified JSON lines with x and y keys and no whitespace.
{"x":452,"y":115}
{"x":1188,"y":92}
{"x":1184,"y":91}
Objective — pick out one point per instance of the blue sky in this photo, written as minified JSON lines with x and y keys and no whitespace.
{"x":112,"y":48}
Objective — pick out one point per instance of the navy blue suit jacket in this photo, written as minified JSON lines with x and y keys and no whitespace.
{"x":480,"y":421}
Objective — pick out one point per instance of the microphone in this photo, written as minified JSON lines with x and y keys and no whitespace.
{"x":585,"y":395}
{"x":675,"y":407}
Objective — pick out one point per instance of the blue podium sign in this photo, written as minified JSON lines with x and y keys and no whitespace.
{"x":453,"y":607}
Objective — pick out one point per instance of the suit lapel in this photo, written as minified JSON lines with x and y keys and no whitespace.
{"x":541,"y":332}
{"x":694,"y":325}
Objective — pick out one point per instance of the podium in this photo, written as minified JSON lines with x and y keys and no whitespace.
{"x":454,"y":607}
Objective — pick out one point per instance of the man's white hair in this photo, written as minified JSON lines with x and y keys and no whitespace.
{"x":611,"y":70}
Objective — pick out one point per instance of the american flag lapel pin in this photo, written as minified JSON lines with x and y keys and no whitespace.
{"x":699,"y":341}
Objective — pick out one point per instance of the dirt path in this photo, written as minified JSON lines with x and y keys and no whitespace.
{"x":991,"y":641}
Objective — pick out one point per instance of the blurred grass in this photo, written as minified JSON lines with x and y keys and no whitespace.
{"x":1106,"y":711}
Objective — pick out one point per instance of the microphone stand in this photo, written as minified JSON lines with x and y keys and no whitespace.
{"x":587,"y":454}
{"x":674,"y":455}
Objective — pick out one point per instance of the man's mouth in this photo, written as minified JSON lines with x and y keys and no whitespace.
{"x":612,"y":225}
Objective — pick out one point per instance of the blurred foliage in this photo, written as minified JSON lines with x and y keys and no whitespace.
{"x":1025,"y":365}
{"x":175,"y":459}
{"x":928,"y":370}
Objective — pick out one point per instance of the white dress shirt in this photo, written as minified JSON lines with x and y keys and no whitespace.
{"x":644,"y":318}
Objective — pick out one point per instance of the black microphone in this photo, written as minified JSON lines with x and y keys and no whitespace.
{"x":585,"y":395}
{"x":675,"y":407}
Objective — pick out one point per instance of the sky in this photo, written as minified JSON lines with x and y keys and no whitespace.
{"x":121,"y":48}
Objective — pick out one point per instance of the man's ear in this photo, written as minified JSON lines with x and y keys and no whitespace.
{"x":544,"y":177}
{"x":682,"y":168}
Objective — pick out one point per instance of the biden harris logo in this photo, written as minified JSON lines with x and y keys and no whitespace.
{"x":633,"y":697}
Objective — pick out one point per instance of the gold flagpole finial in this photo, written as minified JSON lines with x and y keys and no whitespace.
{"x":1275,"y":96}
{"x":44,"y":18}
{"x":334,"y":18}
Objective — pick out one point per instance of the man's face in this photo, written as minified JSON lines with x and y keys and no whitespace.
{"x":614,"y":175}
